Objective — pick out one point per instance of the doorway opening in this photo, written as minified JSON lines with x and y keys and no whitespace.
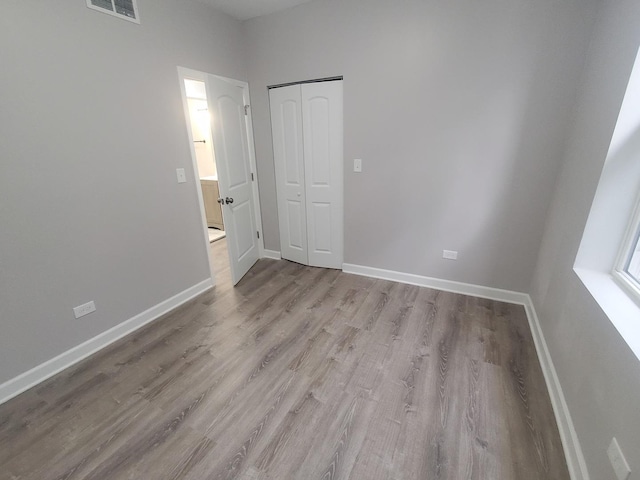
{"x":220,"y":133}
{"x":200,"y":123}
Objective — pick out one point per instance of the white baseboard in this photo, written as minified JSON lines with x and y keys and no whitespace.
{"x":572,"y":450}
{"x":570,"y":443}
{"x":439,"y":284}
{"x":25,"y":381}
{"x":273,"y":254}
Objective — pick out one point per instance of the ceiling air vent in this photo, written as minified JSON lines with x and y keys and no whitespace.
{"x":126,"y":9}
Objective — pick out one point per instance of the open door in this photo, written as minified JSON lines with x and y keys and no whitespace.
{"x":231,"y":146}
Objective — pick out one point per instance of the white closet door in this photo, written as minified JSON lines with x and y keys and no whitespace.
{"x":286,"y":125}
{"x":323,"y":170}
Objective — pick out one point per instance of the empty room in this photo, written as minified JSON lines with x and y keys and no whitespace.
{"x":320,"y":239}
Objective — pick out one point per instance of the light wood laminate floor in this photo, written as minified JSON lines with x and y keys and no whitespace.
{"x":298,"y":373}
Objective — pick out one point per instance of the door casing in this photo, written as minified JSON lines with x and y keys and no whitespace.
{"x":187,"y":73}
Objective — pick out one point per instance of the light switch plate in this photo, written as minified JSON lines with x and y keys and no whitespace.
{"x":357,"y":165}
{"x":182,"y":177}
{"x":619,"y":463}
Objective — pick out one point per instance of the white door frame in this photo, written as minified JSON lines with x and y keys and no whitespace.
{"x":187,"y":73}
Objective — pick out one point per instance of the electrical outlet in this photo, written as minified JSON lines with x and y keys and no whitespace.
{"x":182,"y":177}
{"x":450,"y":254}
{"x":618,"y":462}
{"x":86,"y":309}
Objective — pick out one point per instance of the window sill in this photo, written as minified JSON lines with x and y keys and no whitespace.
{"x":622,"y":311}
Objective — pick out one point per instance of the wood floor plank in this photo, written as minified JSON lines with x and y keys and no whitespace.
{"x":298,"y":373}
{"x":538,"y":432}
{"x":298,"y":424}
{"x":334,"y":451}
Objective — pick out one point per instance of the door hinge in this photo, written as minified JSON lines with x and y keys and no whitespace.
{"x":258,"y":234}
{"x":246,"y":109}
{"x":252,"y":179}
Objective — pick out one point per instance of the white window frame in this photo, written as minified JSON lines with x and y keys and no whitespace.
{"x":113,"y":12}
{"x":620,"y":274}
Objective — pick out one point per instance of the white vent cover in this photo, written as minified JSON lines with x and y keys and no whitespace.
{"x":126,"y":9}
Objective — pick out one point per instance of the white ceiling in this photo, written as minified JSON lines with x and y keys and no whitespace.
{"x":246,"y":9}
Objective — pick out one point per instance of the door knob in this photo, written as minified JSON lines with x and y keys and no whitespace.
{"x":221,"y":201}
{"x":228,"y":200}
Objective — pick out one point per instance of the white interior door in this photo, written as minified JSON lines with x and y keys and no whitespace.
{"x":231,"y":147}
{"x":323,"y":167}
{"x":286,"y":126}
{"x":307,"y":126}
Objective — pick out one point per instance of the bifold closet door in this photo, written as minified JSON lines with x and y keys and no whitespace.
{"x":307,"y":130}
{"x":323,"y":171}
{"x":286,"y":127}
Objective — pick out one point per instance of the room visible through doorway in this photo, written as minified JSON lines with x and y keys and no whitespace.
{"x":200,"y":125}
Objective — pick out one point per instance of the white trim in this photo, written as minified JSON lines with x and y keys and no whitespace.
{"x":620,"y":272}
{"x":36,"y":375}
{"x":629,"y":283}
{"x":570,"y":443}
{"x":630,"y":239}
{"x":254,"y":166}
{"x":273,"y":254}
{"x":438,"y":283}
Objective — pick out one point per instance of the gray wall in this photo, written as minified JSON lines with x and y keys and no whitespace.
{"x":459,"y":111}
{"x":91,"y":131}
{"x":600,"y":375}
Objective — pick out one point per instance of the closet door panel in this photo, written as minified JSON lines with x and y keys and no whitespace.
{"x":321,"y":223}
{"x":323,"y":167}
{"x":297,"y":234}
{"x":286,"y":124}
{"x":319,"y":138}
